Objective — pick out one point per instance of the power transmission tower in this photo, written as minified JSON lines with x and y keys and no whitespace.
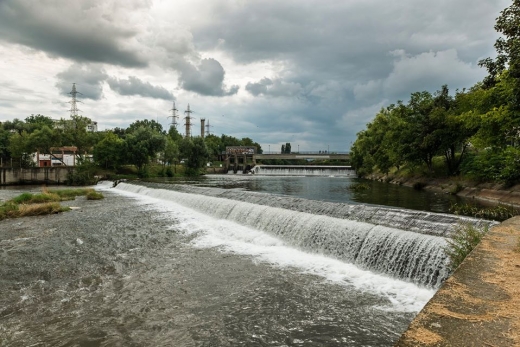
{"x":188,"y":121}
{"x":174,"y":116}
{"x":74,"y":101}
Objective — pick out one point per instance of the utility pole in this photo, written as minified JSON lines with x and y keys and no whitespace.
{"x":188,"y":121}
{"x":173,"y":116}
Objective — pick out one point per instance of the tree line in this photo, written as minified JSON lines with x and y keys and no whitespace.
{"x":475,"y":132}
{"x":140,"y":144}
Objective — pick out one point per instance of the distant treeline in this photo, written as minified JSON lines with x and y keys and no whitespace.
{"x":142,"y":143}
{"x":476,"y":132}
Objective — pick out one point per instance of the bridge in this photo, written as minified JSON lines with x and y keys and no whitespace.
{"x":303,"y":155}
{"x":243,"y":158}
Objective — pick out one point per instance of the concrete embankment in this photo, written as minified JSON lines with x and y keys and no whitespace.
{"x":479,"y":305}
{"x":492,"y":193}
{"x":37,"y":175}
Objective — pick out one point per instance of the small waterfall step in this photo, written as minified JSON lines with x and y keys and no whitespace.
{"x":399,"y":253}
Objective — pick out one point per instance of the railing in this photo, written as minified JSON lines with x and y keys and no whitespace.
{"x":307,"y":152}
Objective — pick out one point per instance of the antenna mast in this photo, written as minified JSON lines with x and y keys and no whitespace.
{"x":188,"y":121}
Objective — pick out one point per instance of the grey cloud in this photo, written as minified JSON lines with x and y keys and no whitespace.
{"x":88,"y":78}
{"x":206,"y":79}
{"x":134,"y":86}
{"x":79,"y":30}
{"x":276,"y":87}
{"x":318,"y":41}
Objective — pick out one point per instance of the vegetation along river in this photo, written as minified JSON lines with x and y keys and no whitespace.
{"x":223,"y":261}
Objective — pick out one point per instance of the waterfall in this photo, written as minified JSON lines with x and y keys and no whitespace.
{"x":403,"y":254}
{"x":302,"y":170}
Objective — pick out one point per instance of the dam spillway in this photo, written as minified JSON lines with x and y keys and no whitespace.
{"x":392,"y":242}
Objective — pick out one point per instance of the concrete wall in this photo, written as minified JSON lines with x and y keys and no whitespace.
{"x":479,"y":305}
{"x":51,"y":175}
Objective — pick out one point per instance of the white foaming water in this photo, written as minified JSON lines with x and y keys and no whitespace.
{"x":402,"y":254}
{"x":229,"y":236}
{"x":287,"y":170}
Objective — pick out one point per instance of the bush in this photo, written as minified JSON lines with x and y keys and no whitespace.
{"x":498,"y":213}
{"x":502,"y":165}
{"x":93,"y":195}
{"x":169,"y":171}
{"x":463,"y":240}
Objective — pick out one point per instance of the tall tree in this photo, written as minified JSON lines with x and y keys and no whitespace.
{"x":142,"y":145}
{"x":196,"y":154}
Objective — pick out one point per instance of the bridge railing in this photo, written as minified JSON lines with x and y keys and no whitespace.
{"x":306,"y":152}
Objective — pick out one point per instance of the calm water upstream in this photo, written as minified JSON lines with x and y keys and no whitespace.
{"x":223,"y":261}
{"x":334,"y":189}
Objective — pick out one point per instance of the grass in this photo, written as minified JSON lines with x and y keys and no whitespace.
{"x":498,"y":213}
{"x":463,"y":240}
{"x":46,"y":202}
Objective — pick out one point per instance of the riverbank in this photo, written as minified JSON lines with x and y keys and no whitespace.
{"x":491,"y":193}
{"x":479,"y":305}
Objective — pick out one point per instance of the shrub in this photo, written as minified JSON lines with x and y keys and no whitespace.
{"x":498,"y":213}
{"x":463,"y":240}
{"x":93,"y":195}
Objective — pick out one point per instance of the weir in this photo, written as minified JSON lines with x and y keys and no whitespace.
{"x":403,"y":254}
{"x":304,"y":170}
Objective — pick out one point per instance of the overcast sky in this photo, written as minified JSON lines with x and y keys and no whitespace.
{"x":312,"y":73}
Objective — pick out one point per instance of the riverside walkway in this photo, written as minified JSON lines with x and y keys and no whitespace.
{"x":479,"y":305}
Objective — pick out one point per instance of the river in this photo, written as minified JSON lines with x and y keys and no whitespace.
{"x":223,"y":261}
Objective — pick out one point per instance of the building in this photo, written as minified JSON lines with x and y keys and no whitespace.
{"x":60,"y":156}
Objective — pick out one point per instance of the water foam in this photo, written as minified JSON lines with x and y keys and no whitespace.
{"x":229,"y":236}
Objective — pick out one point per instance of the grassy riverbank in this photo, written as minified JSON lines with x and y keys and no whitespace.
{"x":44,"y":203}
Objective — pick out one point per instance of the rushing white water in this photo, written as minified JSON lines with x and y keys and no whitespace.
{"x":212,"y":230}
{"x":300,"y":170}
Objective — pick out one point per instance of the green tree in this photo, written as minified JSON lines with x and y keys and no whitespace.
{"x":110,"y":151}
{"x":214,"y":145}
{"x":147,"y":124}
{"x":34,"y":122}
{"x":171,"y":152}
{"x":196,"y":154}
{"x":142,"y":145}
{"x":20,"y":148}
{"x":43,"y":140}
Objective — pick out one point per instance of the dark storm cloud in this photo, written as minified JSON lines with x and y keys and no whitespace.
{"x":80,"y":30}
{"x":206,"y":79}
{"x":134,"y":86}
{"x":88,"y":78}
{"x":347,"y":41}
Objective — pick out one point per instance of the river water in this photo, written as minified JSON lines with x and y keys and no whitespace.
{"x":222,"y":261}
